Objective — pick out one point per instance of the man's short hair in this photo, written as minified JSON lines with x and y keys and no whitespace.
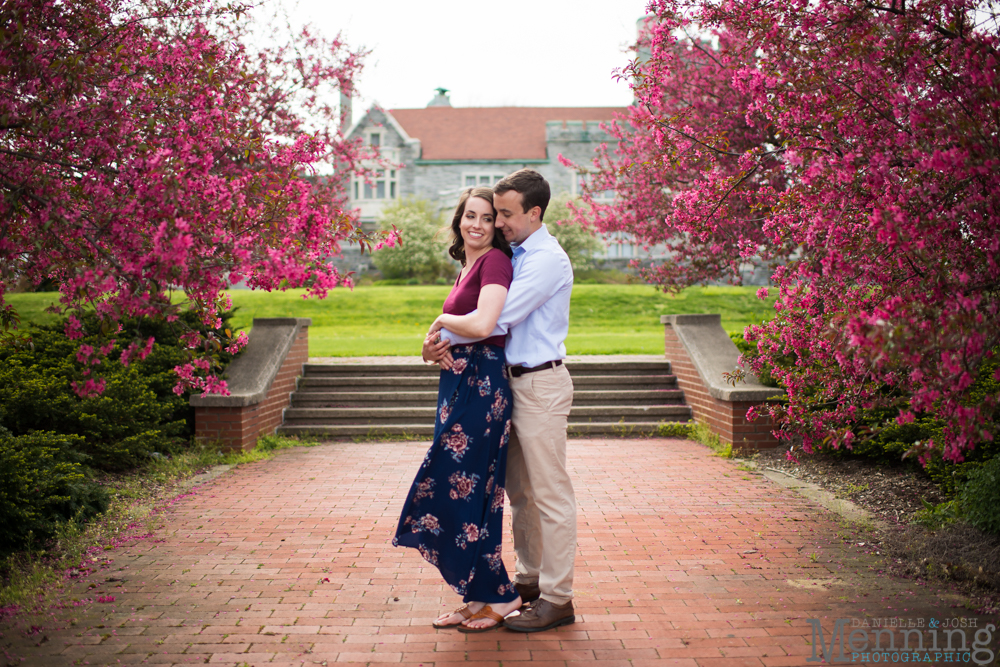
{"x":532,"y":187}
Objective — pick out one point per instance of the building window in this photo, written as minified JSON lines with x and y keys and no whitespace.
{"x":375,"y":139}
{"x":382,"y":186}
{"x":482,"y":180}
{"x":619,"y":246}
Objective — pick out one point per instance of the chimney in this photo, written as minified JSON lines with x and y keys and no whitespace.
{"x":441,"y":99}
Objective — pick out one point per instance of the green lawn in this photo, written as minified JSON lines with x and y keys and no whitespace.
{"x":604,"y":319}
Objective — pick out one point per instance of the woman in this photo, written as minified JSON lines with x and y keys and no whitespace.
{"x":454,"y":513}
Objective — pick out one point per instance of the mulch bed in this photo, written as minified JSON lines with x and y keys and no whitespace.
{"x":955,"y":553}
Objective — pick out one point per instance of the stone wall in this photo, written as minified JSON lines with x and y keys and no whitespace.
{"x":700,"y":351}
{"x":261,"y":380}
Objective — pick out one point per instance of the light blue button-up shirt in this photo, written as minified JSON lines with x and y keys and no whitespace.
{"x":535,"y":315}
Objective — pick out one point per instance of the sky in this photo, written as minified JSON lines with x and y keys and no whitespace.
{"x":512,"y":53}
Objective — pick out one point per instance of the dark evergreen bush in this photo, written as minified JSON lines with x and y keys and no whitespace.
{"x":979,"y":497}
{"x":878,"y":436}
{"x":50,"y":437}
{"x":136,"y":414}
{"x":42,"y":484}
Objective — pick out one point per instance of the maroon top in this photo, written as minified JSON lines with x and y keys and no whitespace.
{"x":493,"y":268}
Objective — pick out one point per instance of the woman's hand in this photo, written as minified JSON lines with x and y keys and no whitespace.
{"x":438,"y":351}
{"x":436,"y":326}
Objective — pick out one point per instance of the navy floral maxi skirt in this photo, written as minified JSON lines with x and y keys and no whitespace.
{"x":454,"y":512}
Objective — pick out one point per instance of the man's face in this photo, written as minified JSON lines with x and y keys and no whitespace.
{"x":515,"y":224}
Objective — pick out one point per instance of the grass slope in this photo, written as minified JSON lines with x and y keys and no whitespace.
{"x":391,"y":320}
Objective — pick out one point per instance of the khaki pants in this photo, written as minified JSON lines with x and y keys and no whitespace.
{"x":542,"y":503}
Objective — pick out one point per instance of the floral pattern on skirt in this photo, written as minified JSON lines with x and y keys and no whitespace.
{"x":454,"y":512}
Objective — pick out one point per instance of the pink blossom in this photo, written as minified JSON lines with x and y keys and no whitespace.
{"x":176,"y":157}
{"x":851,"y":170}
{"x":92,"y":387}
{"x":84,"y":353}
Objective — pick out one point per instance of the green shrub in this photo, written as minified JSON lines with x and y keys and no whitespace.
{"x":880,"y":437}
{"x":118,"y":428}
{"x":579,"y":242}
{"x":43,"y":483}
{"x":423,"y":254}
{"x":935,"y":517}
{"x":136,"y":414}
{"x":979,"y":497}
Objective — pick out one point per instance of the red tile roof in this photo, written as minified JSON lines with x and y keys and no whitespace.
{"x":489,"y":133}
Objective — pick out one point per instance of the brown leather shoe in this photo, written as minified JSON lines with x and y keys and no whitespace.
{"x":543,"y":615}
{"x":528,"y":592}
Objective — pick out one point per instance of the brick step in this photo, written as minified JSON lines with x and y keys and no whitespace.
{"x":411,"y":415}
{"x":380,"y":431}
{"x":359,"y":399}
{"x":417,"y":369}
{"x":372,"y":399}
{"x":635,"y":382}
{"x":356,"y":384}
{"x":655,"y":368}
{"x":370,"y":370}
{"x":414,"y":383}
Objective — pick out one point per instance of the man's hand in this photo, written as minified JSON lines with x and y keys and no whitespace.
{"x":437,"y":350}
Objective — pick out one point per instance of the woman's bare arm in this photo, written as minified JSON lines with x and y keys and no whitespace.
{"x":479,"y":323}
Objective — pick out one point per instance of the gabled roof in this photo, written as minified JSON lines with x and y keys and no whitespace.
{"x":374,"y":110}
{"x":489,"y":133}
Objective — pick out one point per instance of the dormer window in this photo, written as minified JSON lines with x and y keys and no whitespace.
{"x":375,"y":139}
{"x":383,"y":186}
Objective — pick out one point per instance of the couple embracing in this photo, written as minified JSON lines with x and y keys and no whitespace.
{"x":503,"y":404}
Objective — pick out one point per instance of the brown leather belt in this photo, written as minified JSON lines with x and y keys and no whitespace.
{"x":518,"y":371}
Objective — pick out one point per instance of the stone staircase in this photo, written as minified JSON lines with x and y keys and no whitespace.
{"x":390,"y":399}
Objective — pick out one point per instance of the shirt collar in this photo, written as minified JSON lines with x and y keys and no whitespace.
{"x":534,"y":241}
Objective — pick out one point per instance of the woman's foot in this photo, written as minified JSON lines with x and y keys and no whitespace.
{"x":501,"y":608}
{"x":454,"y":619}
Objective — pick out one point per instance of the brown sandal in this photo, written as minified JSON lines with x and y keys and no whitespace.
{"x":466,"y":615}
{"x":485,"y":612}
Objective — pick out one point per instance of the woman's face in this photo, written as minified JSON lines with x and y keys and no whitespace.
{"x":477,"y":224}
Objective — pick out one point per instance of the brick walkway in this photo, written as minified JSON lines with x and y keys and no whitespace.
{"x":685,"y":559}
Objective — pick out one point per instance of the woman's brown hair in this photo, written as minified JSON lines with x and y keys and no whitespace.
{"x":457,"y":249}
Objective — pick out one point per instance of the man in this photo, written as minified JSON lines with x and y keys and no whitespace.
{"x":536,"y":318}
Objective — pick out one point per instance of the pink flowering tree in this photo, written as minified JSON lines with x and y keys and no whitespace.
{"x":151,"y":160}
{"x":690,"y":168}
{"x":855,"y":145}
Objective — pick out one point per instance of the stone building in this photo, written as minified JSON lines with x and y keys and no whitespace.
{"x":441,"y":150}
